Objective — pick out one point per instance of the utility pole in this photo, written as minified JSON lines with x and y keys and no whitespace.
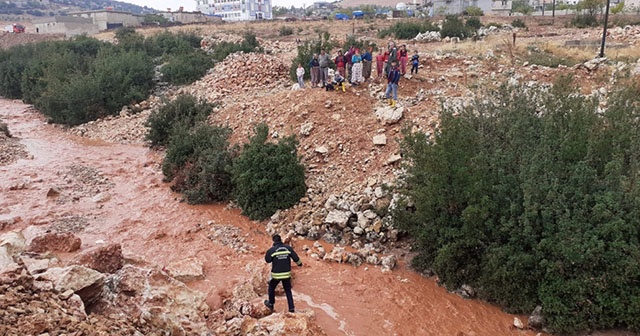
{"x":604,"y":30}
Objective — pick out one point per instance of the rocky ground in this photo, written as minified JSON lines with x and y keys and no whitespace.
{"x":349,"y":144}
{"x":10,"y":148}
{"x":98,"y":293}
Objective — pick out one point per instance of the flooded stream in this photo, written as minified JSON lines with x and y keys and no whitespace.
{"x":114,"y":193}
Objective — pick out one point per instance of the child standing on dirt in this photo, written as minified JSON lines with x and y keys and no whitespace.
{"x":300,"y":74}
{"x":415,"y":61}
{"x":392,"y":83}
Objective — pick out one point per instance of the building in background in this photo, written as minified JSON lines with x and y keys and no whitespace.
{"x":186,"y":17}
{"x":237,"y":10}
{"x":67,"y":25}
{"x":111,"y":19}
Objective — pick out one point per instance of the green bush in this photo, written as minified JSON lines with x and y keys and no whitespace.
{"x":473,"y":24}
{"x":123,"y":77}
{"x":183,"y":112}
{"x":224,"y":49}
{"x":544,"y":58}
{"x":584,"y":21}
{"x":454,"y":27}
{"x":199,"y":160}
{"x":168,"y":43}
{"x":286,"y":31}
{"x":532,"y":197}
{"x":83,"y":79}
{"x":518,"y":23}
{"x":406,"y":30}
{"x":186,"y":68}
{"x":474,"y":11}
{"x":267,"y":176}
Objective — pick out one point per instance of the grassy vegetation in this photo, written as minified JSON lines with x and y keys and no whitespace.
{"x":532,"y":198}
{"x":83,"y":79}
{"x":406,"y":30}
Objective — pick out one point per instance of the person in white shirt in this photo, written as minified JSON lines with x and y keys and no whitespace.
{"x":300,"y":74}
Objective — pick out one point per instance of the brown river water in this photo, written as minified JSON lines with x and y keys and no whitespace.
{"x":152,"y":224}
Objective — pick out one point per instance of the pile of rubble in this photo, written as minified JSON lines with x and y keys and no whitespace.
{"x":209,"y":43}
{"x":229,"y":236}
{"x":96,"y":292}
{"x":127,"y":127}
{"x":629,"y":34}
{"x":241,"y":71}
{"x":434,"y":36}
{"x":369,"y":254}
{"x":79,"y":181}
{"x":10,"y":148}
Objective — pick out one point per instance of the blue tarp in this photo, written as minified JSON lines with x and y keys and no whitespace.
{"x":358,"y":14}
{"x":340,"y":16}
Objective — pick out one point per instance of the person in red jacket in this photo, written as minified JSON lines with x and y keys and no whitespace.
{"x":380,"y":63}
{"x":403,"y":55}
{"x":280,"y":256}
{"x":340,"y":62}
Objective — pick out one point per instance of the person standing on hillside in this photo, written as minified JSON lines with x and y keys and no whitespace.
{"x":314,"y":68}
{"x":379,"y":63}
{"x":415,"y":62}
{"x":393,"y":57}
{"x":340,"y":62}
{"x":367,"y":57}
{"x":323,"y":62}
{"x":347,"y":56}
{"x":392,"y":83}
{"x":280,"y":256}
{"x":403,"y":55}
{"x":356,"y":68}
{"x":300,"y":74}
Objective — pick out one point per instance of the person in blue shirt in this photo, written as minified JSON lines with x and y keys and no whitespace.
{"x":415,"y":61}
{"x":392,"y":83}
{"x":367,"y":58}
{"x":314,"y":67}
{"x":356,"y":68}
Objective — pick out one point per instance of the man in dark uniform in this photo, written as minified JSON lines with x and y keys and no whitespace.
{"x":280,"y":255}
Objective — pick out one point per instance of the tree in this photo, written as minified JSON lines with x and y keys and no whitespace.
{"x":533,"y":198}
{"x":590,"y":7}
{"x":521,"y":6}
{"x":268,"y":176}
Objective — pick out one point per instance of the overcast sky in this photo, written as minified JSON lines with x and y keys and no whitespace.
{"x":190,"y":5}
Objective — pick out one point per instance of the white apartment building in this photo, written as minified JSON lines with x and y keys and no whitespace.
{"x":236,"y":10}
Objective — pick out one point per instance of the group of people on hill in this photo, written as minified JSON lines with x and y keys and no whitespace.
{"x":355,"y":68}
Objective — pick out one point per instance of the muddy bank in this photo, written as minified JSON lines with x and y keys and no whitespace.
{"x":114,"y":193}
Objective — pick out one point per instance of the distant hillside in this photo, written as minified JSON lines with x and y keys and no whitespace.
{"x":53,"y":7}
{"x":102,"y":4}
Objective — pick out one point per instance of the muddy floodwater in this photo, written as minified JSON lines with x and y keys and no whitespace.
{"x":107,"y":192}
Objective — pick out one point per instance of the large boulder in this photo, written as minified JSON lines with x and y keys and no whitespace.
{"x":389,"y":115}
{"x":536,"y":320}
{"x":85,"y":282}
{"x":55,"y":242}
{"x":103,"y":258}
{"x":186,"y":269}
{"x":299,"y":324}
{"x":11,"y":244}
{"x":160,"y":300}
{"x":338,"y":217}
